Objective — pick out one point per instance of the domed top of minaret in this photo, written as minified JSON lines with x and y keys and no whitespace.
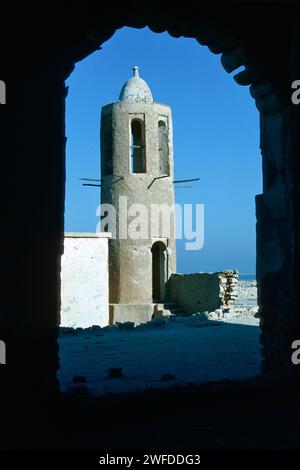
{"x":136,"y":90}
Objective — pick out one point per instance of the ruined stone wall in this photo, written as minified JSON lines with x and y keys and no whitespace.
{"x":275,"y":235}
{"x":84,"y":280}
{"x":204,"y":292}
{"x":228,"y":287}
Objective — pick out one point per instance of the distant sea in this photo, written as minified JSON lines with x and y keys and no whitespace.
{"x":247,"y":277}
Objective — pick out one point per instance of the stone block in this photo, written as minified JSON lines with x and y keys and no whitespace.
{"x":135,"y":313}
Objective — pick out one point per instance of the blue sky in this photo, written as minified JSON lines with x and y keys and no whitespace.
{"x":216,"y":138}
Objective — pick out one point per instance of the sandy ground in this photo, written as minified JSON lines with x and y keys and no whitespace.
{"x":165,"y":352}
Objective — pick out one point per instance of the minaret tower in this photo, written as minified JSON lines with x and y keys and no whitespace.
{"x":137,"y":169}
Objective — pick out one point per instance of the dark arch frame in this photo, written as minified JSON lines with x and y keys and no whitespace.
{"x":223,"y":37}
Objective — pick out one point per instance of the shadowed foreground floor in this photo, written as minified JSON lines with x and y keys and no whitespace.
{"x":229,"y":415}
{"x":186,"y":350}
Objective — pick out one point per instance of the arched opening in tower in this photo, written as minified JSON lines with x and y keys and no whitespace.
{"x":163,"y":147}
{"x":158,"y":271}
{"x":138,"y":160}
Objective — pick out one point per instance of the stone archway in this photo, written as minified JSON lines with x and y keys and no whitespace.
{"x":275,"y":248}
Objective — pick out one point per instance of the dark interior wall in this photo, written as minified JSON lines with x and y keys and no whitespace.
{"x":32,"y":203}
{"x":38,"y":52}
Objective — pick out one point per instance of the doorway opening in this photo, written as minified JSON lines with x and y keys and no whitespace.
{"x":158,"y":271}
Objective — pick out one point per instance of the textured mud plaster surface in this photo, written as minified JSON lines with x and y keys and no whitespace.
{"x":84,"y":280}
{"x":201,"y":292}
{"x":130,"y":260}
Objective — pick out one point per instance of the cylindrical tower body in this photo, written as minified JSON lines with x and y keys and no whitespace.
{"x":137,"y":180}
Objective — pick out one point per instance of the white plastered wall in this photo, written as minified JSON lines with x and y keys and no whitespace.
{"x":84,"y":280}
